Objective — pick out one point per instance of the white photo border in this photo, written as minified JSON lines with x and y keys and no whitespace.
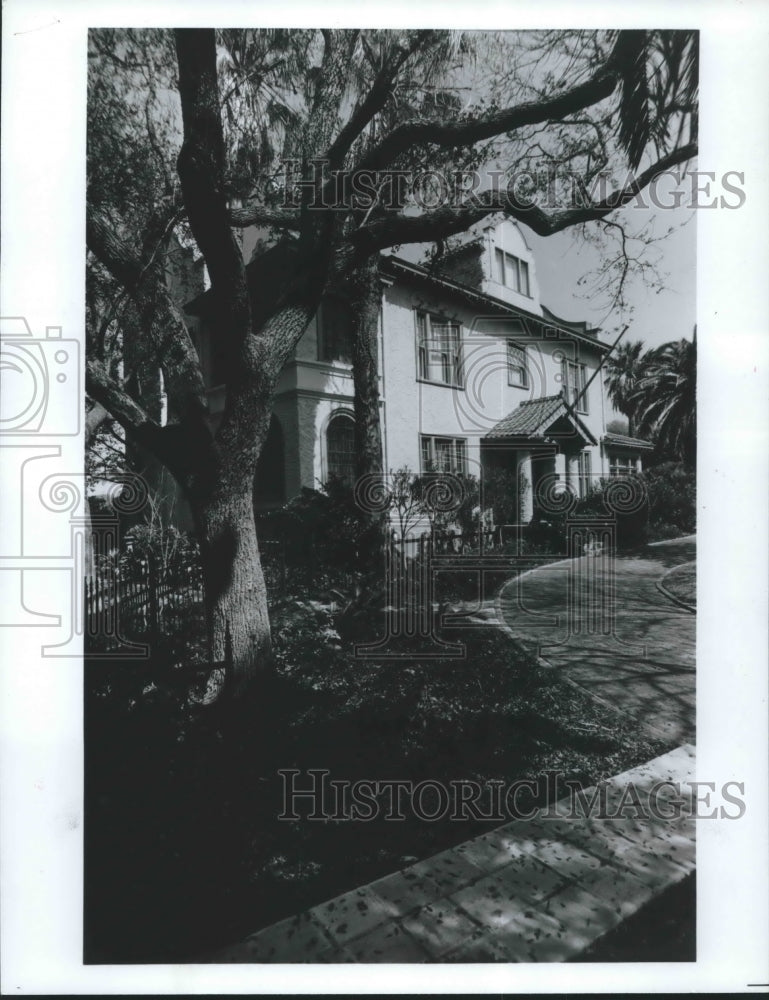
{"x":43,"y":246}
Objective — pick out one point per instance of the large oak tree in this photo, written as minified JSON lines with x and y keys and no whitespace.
{"x":352,"y":111}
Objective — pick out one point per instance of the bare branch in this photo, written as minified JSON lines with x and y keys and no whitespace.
{"x":448,"y":134}
{"x":375,"y":100}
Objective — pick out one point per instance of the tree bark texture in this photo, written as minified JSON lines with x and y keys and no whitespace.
{"x":235,"y":591}
{"x":365,"y":299}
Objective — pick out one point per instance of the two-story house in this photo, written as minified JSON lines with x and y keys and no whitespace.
{"x":475,"y":374}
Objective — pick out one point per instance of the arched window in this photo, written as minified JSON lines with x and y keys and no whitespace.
{"x":340,"y":448}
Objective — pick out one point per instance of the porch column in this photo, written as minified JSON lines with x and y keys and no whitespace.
{"x":572,"y":472}
{"x":527,"y":495}
{"x":560,"y":467}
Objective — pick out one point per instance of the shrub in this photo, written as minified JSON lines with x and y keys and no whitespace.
{"x":320,"y":530}
{"x":622,"y":502}
{"x":672,"y":500}
{"x":502,"y":490}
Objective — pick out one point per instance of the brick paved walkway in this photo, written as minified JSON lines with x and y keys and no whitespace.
{"x":537,"y":890}
{"x":645,"y":666}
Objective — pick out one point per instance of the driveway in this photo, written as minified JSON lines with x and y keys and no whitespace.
{"x":603,"y":621}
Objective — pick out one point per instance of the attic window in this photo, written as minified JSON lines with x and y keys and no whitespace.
{"x":512,"y":272}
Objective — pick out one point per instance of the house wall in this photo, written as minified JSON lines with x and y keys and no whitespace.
{"x":412,"y":407}
{"x":311,"y":391}
{"x":415,"y":407}
{"x":508,"y":237}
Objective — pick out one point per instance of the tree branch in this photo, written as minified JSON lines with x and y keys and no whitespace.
{"x":107,"y":393}
{"x":447,"y":134}
{"x":160,"y":318}
{"x":201,"y":172}
{"x":450,"y":220}
{"x":254,"y":215}
{"x":374,"y":101}
{"x":94,"y":418}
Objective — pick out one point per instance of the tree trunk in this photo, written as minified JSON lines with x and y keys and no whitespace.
{"x":222,"y":499}
{"x":365,"y":298}
{"x":235,"y":591}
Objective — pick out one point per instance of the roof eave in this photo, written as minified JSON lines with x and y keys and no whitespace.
{"x":504,"y":307}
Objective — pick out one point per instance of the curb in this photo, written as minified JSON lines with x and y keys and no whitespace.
{"x":660,"y":585}
{"x":676,"y":600}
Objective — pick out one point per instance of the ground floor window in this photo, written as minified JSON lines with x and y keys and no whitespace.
{"x":621,"y":465}
{"x":441,"y":454}
{"x":584,"y":472}
{"x":340,"y":448}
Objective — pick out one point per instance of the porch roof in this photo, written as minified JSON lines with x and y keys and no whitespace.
{"x":625,"y":441}
{"x":533,"y":418}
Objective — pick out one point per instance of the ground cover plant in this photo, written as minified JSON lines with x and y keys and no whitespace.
{"x":184,"y":847}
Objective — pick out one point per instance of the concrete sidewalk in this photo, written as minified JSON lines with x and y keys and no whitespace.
{"x":606,"y":625}
{"x":539,"y":890}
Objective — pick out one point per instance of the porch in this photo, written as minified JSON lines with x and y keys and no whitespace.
{"x":534,"y":456}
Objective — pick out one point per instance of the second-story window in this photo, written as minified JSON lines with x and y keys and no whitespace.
{"x":517,"y":372}
{"x":334,"y":330}
{"x":439,"y":353}
{"x":512,"y":272}
{"x":574,"y":380}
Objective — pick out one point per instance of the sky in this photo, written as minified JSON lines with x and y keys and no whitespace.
{"x":656,"y":318}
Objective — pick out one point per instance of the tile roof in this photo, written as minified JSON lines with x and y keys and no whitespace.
{"x":625,"y":441}
{"x":529,"y":418}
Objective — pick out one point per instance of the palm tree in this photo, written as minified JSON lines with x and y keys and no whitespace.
{"x":665,"y":398}
{"x":658,"y":98}
{"x":623,"y":371}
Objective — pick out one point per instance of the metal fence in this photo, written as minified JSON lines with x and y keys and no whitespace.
{"x":140,"y":596}
{"x":439,"y":543}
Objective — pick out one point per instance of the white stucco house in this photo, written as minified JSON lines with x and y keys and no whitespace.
{"x":475,"y":373}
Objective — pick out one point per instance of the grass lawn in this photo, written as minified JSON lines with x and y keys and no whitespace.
{"x":681,"y":582}
{"x":184,"y":850}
